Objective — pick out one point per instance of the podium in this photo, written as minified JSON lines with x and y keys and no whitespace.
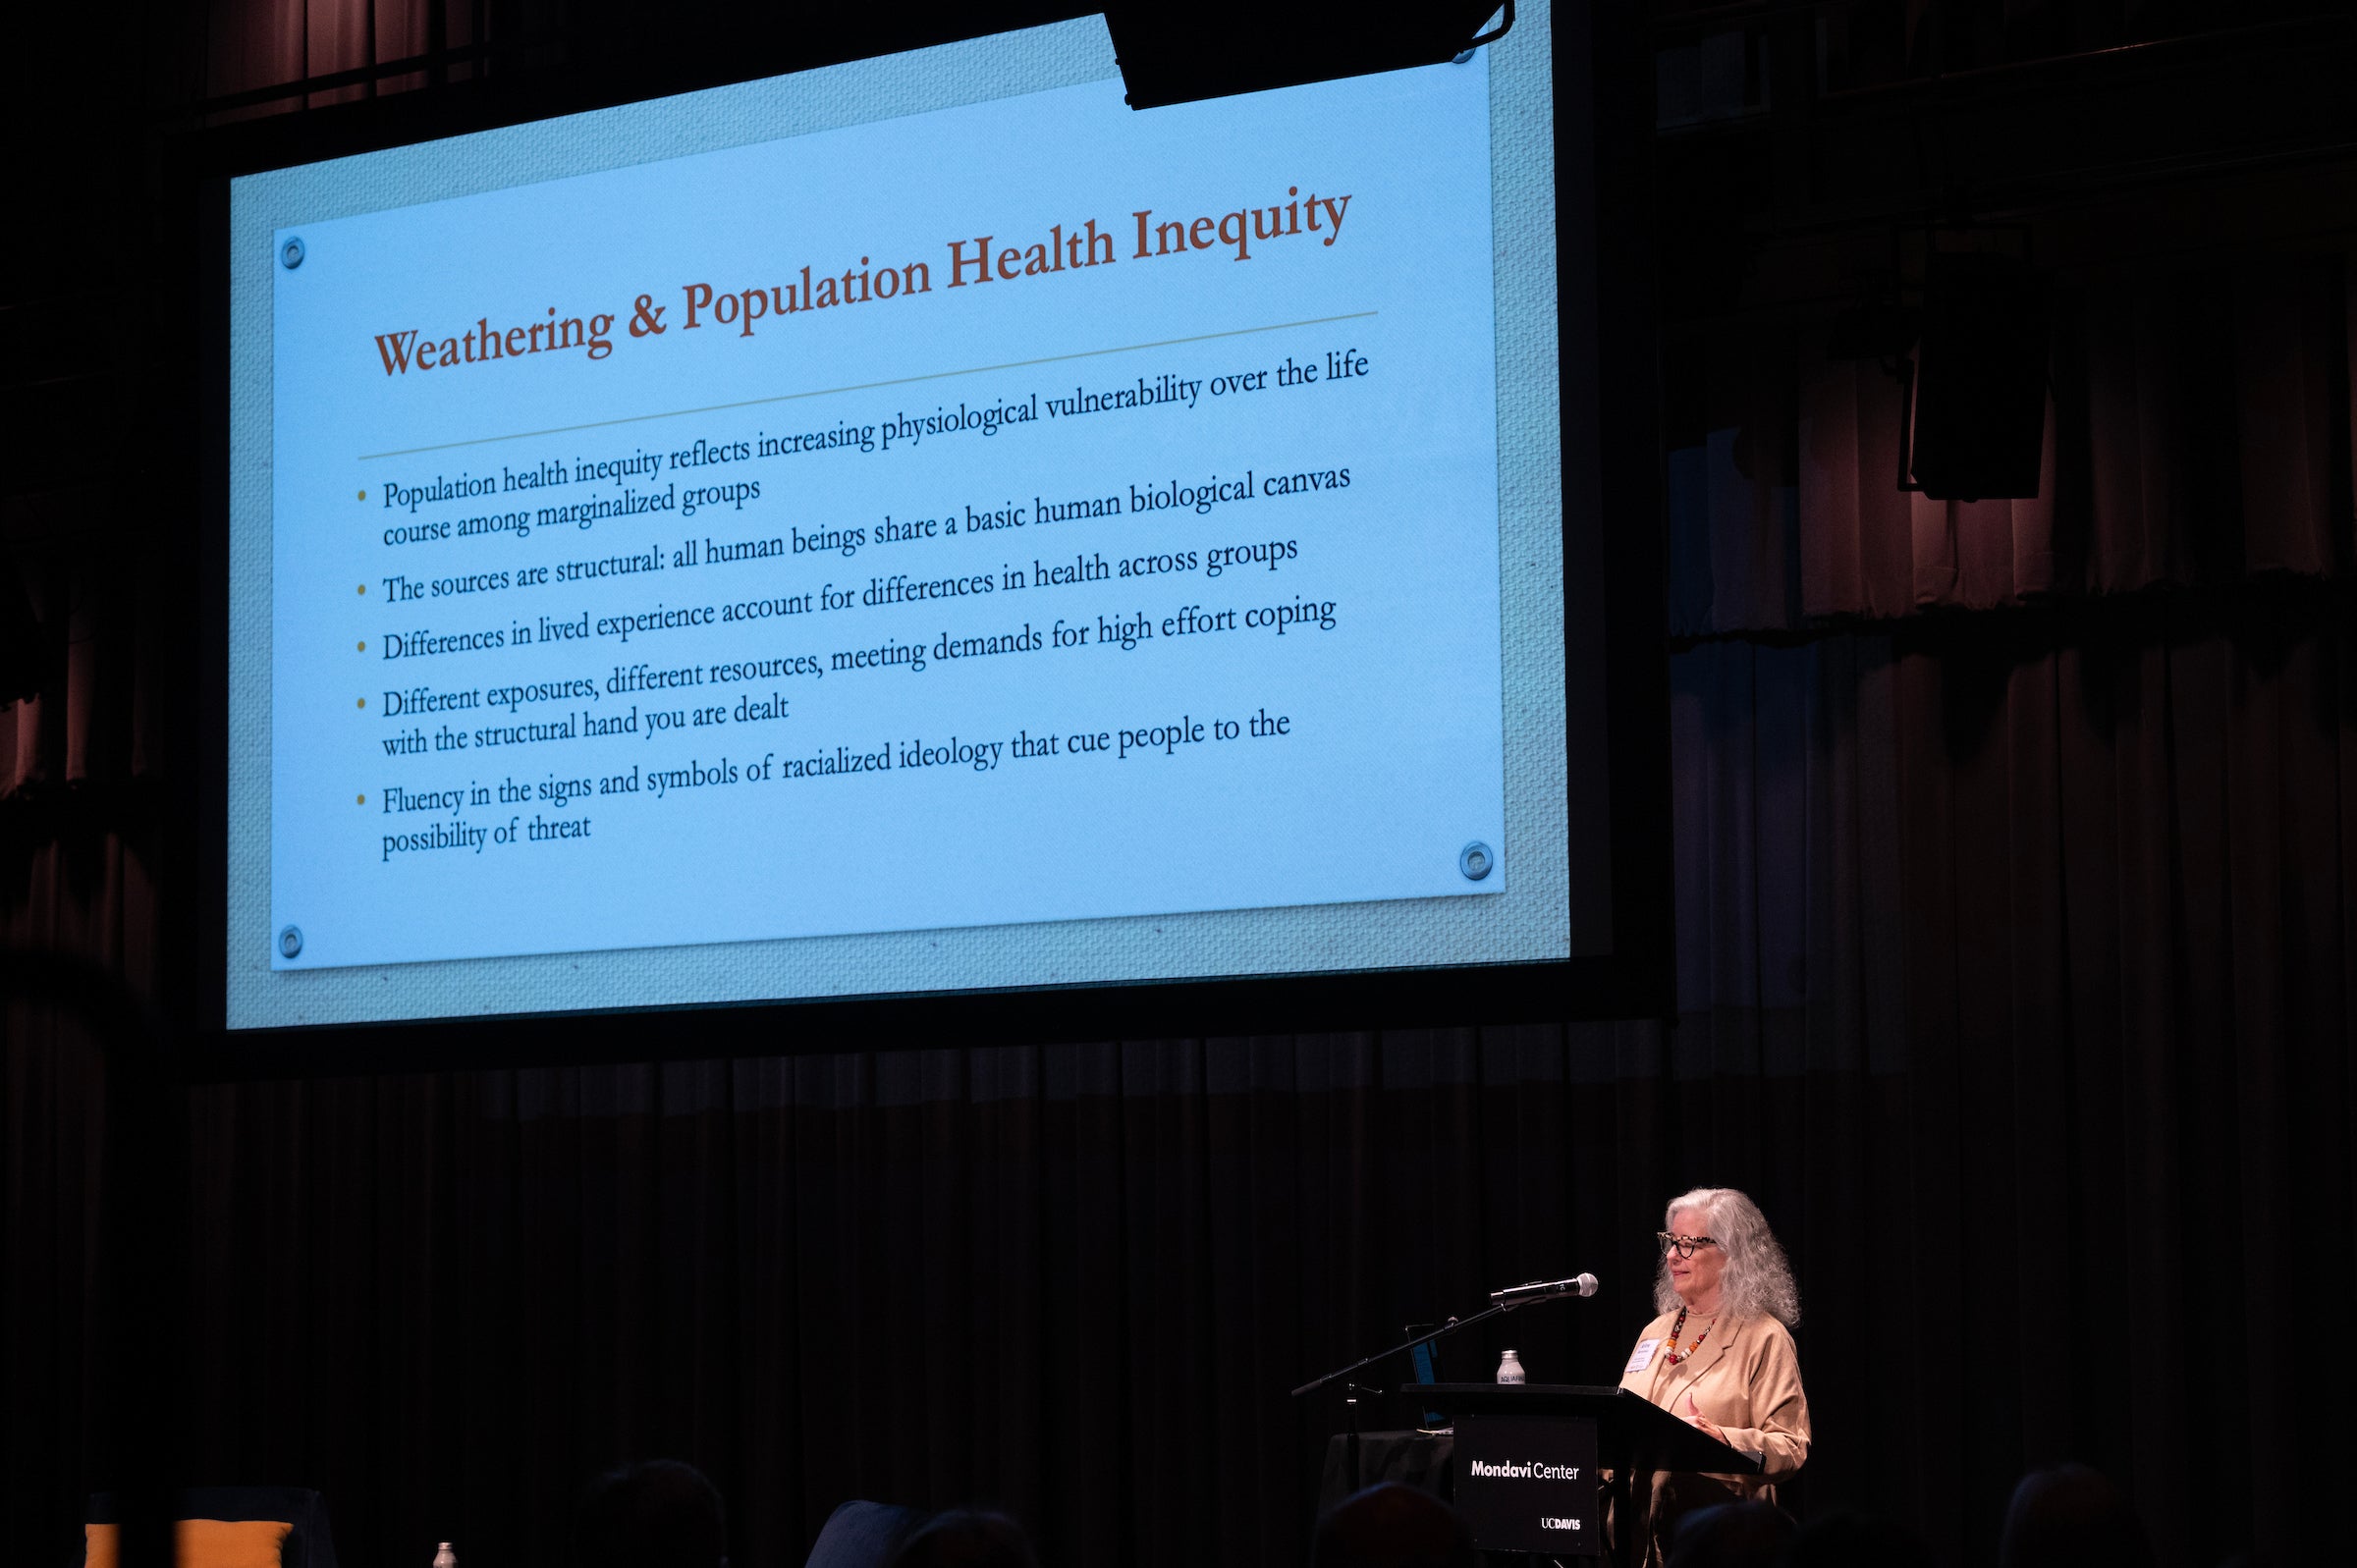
{"x":1528,"y":1457}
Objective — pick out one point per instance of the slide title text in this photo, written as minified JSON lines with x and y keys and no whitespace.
{"x":971,"y":262}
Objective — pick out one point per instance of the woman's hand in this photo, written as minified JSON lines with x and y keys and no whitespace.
{"x":1702,"y":1423}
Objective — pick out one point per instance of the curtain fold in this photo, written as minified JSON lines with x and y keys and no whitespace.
{"x":249,"y":44}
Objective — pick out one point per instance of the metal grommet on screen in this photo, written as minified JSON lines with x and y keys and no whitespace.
{"x":289,"y":943}
{"x":290,"y":255}
{"x":1475,"y":860}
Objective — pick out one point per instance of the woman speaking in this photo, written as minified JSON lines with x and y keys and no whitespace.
{"x":1720,"y":1355}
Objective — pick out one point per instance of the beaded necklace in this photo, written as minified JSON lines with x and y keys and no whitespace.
{"x":1674,"y":1355}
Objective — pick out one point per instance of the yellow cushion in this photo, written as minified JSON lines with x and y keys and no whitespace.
{"x":202,"y":1544}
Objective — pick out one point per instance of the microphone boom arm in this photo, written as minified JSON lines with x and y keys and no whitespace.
{"x":1405,"y":1346}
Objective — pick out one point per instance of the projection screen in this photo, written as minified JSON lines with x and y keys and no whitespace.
{"x":911,"y":527}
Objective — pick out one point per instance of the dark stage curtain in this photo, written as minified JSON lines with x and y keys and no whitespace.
{"x":2014,"y":971}
{"x":2016,"y":851}
{"x":2198,"y":431}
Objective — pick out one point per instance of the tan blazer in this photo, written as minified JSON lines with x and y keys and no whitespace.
{"x":1747,"y":1378}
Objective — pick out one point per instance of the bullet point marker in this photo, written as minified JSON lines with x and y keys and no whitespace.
{"x":364,"y":495}
{"x":362,"y":801}
{"x":363,"y":702}
{"x":363,"y":587}
{"x":364,"y":646}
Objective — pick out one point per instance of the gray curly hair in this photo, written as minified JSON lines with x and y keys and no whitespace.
{"x":1758,"y":1281}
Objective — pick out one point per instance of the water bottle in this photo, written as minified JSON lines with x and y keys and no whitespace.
{"x":444,"y":1557}
{"x":1509,"y":1369}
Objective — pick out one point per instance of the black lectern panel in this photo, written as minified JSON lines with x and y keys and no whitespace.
{"x":1529,"y":1484}
{"x":1631,"y":1437}
{"x":1628,"y":1428}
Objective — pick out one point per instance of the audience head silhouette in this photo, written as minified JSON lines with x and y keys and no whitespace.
{"x":1855,"y":1540}
{"x":658,"y":1513}
{"x":1392,"y":1526}
{"x":964,"y":1537}
{"x":1732,"y":1534}
{"x":2068,"y":1515}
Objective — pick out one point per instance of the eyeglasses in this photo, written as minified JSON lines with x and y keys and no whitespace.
{"x":1683,"y":1245}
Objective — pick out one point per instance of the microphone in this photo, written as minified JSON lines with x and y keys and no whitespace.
{"x":1543,"y":1290}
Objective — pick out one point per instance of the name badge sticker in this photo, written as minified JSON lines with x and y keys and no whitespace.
{"x":1643,"y":1358}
